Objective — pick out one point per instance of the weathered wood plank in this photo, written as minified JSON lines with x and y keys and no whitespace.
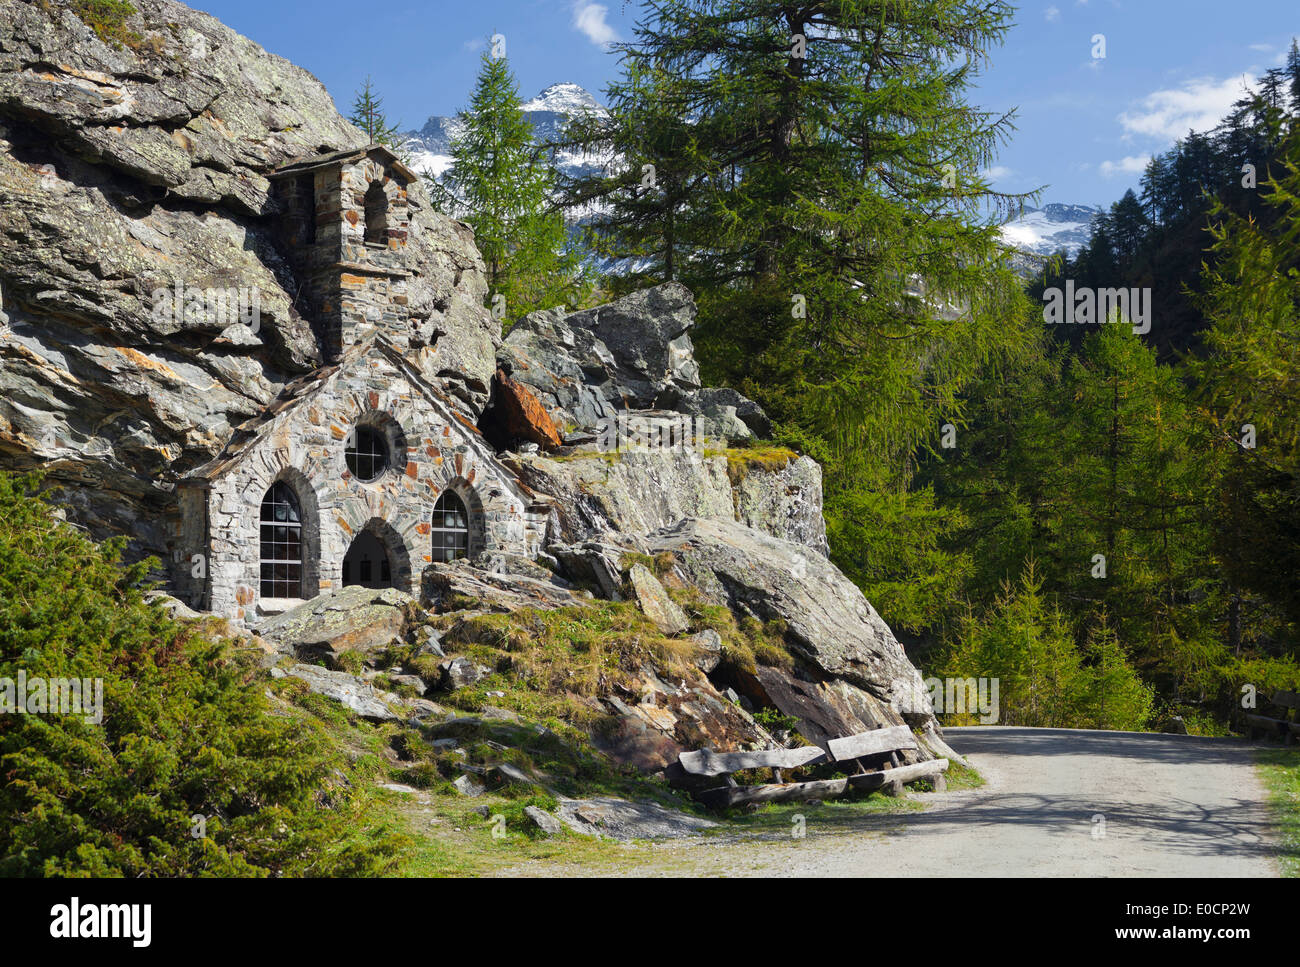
{"x":871,"y":743}
{"x":900,"y":776}
{"x":785,"y":792}
{"x":1286,"y":699}
{"x":708,"y":763}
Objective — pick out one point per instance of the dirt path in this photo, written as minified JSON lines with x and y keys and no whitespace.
{"x":1168,"y":805}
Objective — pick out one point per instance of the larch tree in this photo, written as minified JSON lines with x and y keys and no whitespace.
{"x":501,"y":184}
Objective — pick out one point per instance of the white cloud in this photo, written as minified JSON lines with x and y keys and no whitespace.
{"x":589,"y":18}
{"x":996,"y":173}
{"x":1052,"y":14}
{"x":1198,"y":105}
{"x":1132,"y":165}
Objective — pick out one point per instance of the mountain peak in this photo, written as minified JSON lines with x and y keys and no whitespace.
{"x":563,"y":98}
{"x":1055,"y":226}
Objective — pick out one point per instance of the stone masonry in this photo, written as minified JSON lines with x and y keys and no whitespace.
{"x":302,"y":443}
{"x":345,"y":225}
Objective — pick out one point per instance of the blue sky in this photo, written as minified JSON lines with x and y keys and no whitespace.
{"x":1085,"y":125}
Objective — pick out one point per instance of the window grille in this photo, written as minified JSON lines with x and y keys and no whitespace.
{"x":281,"y":539}
{"x":450,"y":528}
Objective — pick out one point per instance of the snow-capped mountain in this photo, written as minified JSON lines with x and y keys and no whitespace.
{"x":1037,"y":232}
{"x":430,"y":147}
{"x":1047,"y":230}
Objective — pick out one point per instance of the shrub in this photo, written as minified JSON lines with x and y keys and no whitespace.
{"x":107,"y":18}
{"x":186,"y":774}
{"x":1045,"y":678}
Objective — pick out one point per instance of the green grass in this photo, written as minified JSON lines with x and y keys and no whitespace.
{"x":107,"y":18}
{"x":963,"y":777}
{"x":1280,"y":770}
{"x":780,"y":818}
{"x":442,"y":833}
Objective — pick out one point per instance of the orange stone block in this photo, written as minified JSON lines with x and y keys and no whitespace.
{"x":411,"y":469}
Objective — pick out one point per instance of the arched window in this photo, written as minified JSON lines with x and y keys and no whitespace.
{"x":450,"y":528}
{"x":376,"y":214}
{"x":281,"y":536}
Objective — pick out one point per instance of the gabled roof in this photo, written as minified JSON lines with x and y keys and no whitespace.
{"x":334,"y":158}
{"x":252,"y":432}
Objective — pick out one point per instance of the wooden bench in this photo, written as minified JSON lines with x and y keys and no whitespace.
{"x":1286,"y":725}
{"x":891,"y":779}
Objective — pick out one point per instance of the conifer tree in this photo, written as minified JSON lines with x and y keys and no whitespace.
{"x":501,"y":185}
{"x":1293,"y":74}
{"x":829,"y":214}
{"x":368,"y":115}
{"x":1128,"y":225}
{"x":1250,"y":383}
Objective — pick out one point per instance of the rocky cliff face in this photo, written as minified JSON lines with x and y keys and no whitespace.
{"x":128,"y":171}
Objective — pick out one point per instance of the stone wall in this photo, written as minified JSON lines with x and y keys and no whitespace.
{"x":304,"y":445}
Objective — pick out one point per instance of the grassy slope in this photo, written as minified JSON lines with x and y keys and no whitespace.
{"x":1280,"y":770}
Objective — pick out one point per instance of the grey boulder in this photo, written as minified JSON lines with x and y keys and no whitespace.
{"x":831,"y":625}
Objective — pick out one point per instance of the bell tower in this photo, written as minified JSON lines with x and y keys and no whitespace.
{"x":345,"y":223}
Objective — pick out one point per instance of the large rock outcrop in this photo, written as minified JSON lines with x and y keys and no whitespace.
{"x":634,"y":353}
{"x":127,"y":170}
{"x":124,"y":171}
{"x":832,"y":628}
{"x":640,"y":491}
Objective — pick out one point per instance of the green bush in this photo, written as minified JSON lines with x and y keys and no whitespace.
{"x":107,"y":18}
{"x":1045,"y":678}
{"x":186,"y":774}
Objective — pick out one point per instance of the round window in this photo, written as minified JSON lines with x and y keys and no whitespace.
{"x":367,"y":453}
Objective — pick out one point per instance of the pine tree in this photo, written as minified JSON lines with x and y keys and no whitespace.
{"x":500,"y":184}
{"x":1155,"y":189}
{"x":1293,"y":75}
{"x":368,"y":115}
{"x":1025,"y":642}
{"x":1250,"y":385}
{"x":1128,"y":225}
{"x":641,"y":217}
{"x":830,"y":161}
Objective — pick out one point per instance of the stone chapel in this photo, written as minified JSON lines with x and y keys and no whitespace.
{"x":363,"y":472}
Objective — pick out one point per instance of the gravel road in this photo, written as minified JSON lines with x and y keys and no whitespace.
{"x":1057,"y":802}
